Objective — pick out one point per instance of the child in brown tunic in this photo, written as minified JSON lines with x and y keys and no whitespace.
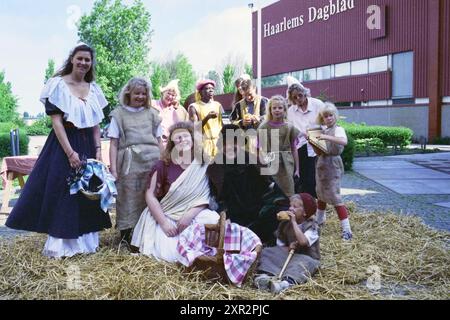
{"x":278,"y":137}
{"x":135,"y":133}
{"x":329,"y":169}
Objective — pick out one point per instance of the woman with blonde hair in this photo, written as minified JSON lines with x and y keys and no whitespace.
{"x":169,"y":108}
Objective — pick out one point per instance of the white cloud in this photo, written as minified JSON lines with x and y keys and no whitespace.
{"x":208,"y":42}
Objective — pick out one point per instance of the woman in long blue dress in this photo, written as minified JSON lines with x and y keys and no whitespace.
{"x":74,"y":102}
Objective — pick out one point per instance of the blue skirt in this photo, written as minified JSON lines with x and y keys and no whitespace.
{"x":45,"y":204}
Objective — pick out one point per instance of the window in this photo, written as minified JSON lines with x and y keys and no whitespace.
{"x":360,"y":67}
{"x":273,"y":81}
{"x":324,"y":73}
{"x":309,"y":75}
{"x":378,"y":64}
{"x":402,"y":75}
{"x":342,"y":69}
{"x":298,"y":75}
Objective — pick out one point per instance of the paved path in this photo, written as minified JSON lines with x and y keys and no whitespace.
{"x":411,"y":184}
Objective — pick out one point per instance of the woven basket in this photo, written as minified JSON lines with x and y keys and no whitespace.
{"x":90,"y":194}
{"x":213,"y":266}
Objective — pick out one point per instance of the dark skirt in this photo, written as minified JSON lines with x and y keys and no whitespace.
{"x":45,"y":204}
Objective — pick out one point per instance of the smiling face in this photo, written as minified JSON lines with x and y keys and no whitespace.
{"x":169,"y":97}
{"x":299,"y":98}
{"x":82,"y":62}
{"x":182,"y":140}
{"x":138,"y":97}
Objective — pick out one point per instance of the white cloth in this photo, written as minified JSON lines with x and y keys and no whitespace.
{"x":340,"y":133}
{"x":312,"y":235}
{"x":303,"y":120}
{"x":58,"y":248}
{"x":181,"y":197}
{"x":82,"y":113}
{"x":164,"y":247}
{"x":113,"y":129}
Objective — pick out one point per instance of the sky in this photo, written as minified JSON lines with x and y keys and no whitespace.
{"x":31,"y":32}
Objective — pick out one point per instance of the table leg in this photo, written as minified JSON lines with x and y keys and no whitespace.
{"x":7,"y":194}
{"x":21,"y":181}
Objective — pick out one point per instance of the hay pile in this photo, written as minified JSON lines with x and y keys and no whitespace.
{"x":413,"y":260}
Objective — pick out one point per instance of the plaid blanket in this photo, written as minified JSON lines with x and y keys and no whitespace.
{"x":108,"y":189}
{"x":239,"y":243}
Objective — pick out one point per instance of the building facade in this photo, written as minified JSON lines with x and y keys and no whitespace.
{"x":382,"y":62}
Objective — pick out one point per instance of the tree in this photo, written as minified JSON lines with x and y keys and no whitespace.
{"x":50,"y":71}
{"x":26,"y":115}
{"x":121,"y":36}
{"x":214,"y":75}
{"x":8,"y":102}
{"x":248,"y":70}
{"x":175,"y":68}
{"x":228,"y":79}
{"x":186,"y":75}
{"x":159,"y":78}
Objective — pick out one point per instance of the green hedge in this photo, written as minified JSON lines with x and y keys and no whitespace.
{"x":348,"y":154}
{"x":41,"y":127}
{"x":390,"y":136}
{"x":368,"y":146}
{"x":5,"y":145}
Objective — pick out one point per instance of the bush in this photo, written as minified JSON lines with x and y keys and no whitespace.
{"x":7,"y":126}
{"x":348,"y":154}
{"x":390,"y":136}
{"x":41,"y":127}
{"x":5,"y":144}
{"x":371,"y":145}
{"x":441,"y":140}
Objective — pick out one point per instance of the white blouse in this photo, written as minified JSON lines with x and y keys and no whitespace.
{"x":82,"y":113}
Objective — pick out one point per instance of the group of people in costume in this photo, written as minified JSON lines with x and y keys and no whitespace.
{"x":176,"y":168}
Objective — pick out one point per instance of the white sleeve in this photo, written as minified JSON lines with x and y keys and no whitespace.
{"x":113,"y":129}
{"x":280,"y":243}
{"x":312,"y":236}
{"x":158,"y":132}
{"x":340,"y":133}
{"x":99,"y":95}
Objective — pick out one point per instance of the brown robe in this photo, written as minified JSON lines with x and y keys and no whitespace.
{"x":138,"y":151}
{"x":329,"y":171}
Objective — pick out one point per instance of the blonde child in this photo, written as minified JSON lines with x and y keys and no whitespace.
{"x":284,"y":148}
{"x":330,"y":168}
{"x":135,"y":133}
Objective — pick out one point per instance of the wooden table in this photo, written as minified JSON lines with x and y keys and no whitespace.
{"x":14,"y":168}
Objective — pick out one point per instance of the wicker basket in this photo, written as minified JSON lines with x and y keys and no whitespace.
{"x":213,"y":266}
{"x":90,"y":194}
